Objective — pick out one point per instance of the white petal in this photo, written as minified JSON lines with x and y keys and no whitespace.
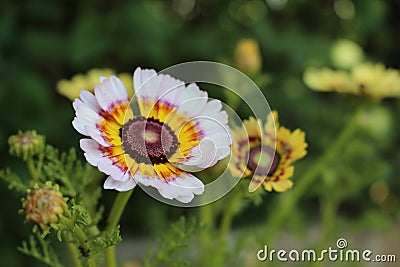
{"x":107,"y":166}
{"x":110,"y":183}
{"x":140,"y":77}
{"x":221,"y":138}
{"x":210,"y":126}
{"x":77,"y":103}
{"x":223,"y":152}
{"x":150,"y":85}
{"x":189,"y":183}
{"x":87,"y":112}
{"x":170,"y":89}
{"x":204,"y":155}
{"x":213,"y":110}
{"x":79,"y":125}
{"x":168,"y":191}
{"x":215,"y":144}
{"x":109,"y":93}
{"x":87,"y":115}
{"x":125,"y":186}
{"x":92,"y":153}
{"x":119,"y":88}
{"x":180,"y":188}
{"x":191,"y":108}
{"x":89,"y":99}
{"x":96,"y":135}
{"x":185,"y":198}
{"x":193,"y":101}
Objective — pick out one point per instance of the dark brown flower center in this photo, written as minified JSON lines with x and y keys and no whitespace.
{"x":147,"y":140}
{"x":263,"y":160}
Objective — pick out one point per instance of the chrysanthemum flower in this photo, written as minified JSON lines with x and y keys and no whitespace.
{"x":371,"y":80}
{"x":176,"y":127}
{"x":254,"y":154}
{"x":72,"y":88}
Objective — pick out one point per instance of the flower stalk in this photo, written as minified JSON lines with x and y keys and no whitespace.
{"x":113,"y":220}
{"x":292,"y":197}
{"x":32,"y":170}
{"x":226,"y":223}
{"x":207,"y":217}
{"x":82,"y":238}
{"x":73,"y":252}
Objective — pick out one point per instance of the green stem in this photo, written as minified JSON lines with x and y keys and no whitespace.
{"x":73,"y":252}
{"x":112,"y":222}
{"x":226,"y":223}
{"x":328,"y":210}
{"x":289,"y":200}
{"x":32,"y":169}
{"x":82,"y":238}
{"x":329,"y":213}
{"x":207,"y":219}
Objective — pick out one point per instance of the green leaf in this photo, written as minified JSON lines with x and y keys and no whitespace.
{"x":13,"y":180}
{"x":40,"y":249}
{"x":172,"y":244}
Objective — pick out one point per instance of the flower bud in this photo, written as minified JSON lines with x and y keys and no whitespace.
{"x":43,"y":206}
{"x":248,"y":56}
{"x":26,"y":144}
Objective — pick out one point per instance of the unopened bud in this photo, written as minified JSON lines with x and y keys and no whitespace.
{"x":43,"y":206}
{"x":26,"y":144}
{"x":248,"y":56}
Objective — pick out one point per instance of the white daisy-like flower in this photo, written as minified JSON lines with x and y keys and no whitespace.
{"x":178,"y":128}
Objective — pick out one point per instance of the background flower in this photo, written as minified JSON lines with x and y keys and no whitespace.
{"x":366,"y":79}
{"x":254,"y":153}
{"x":72,"y":88}
{"x":248,"y":56}
{"x":346,"y":53}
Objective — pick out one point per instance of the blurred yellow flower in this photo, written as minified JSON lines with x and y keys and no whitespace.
{"x":372,"y":80}
{"x":326,"y":79}
{"x":345,"y":54}
{"x":376,"y":81}
{"x":72,"y":88}
{"x":247,"y":56}
{"x":254,"y":153}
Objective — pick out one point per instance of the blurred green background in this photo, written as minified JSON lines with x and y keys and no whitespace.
{"x":44,"y":41}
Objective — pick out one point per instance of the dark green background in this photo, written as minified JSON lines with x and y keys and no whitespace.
{"x":44,"y":41}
